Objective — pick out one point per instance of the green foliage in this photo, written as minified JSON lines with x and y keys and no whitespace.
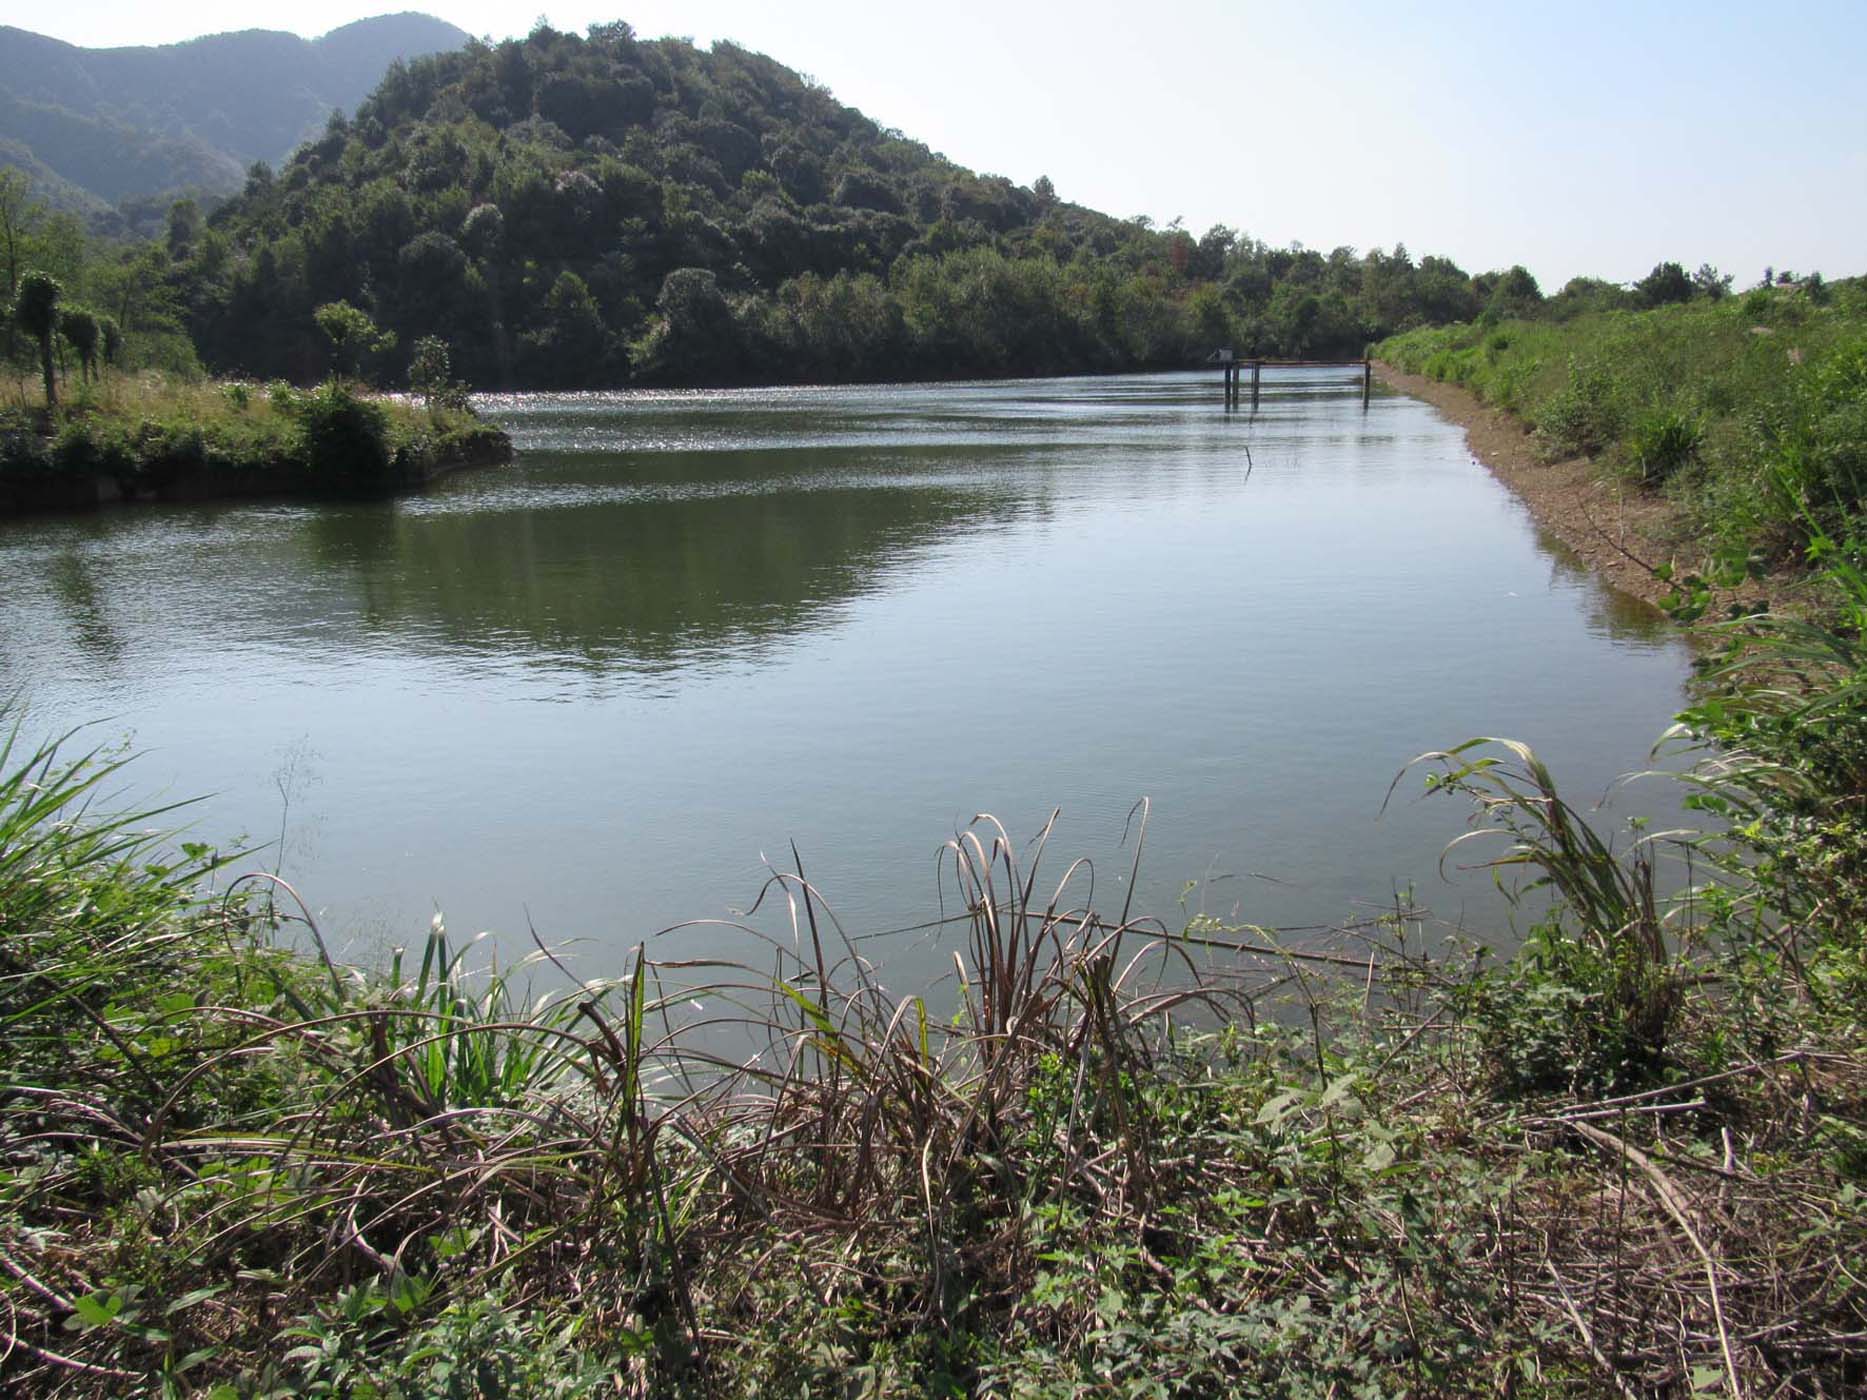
{"x":346,"y":438}
{"x":1661,"y":442}
{"x":112,"y":346}
{"x":1513,"y":294}
{"x":471,"y":1348}
{"x":36,"y":305}
{"x":354,"y":337}
{"x":1582,"y":295}
{"x":422,"y":1183}
{"x":543,"y":204}
{"x":84,"y":332}
{"x":1591,"y":1002}
{"x":430,"y":374}
{"x":572,"y":346}
{"x":1709,"y":283}
{"x":35,"y":311}
{"x":1666,"y":284}
{"x":156,"y":436}
{"x":1815,"y":443}
{"x":1584,"y":417}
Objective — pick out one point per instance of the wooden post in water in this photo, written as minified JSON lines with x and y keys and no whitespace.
{"x":1228,"y":372}
{"x":1257,"y":368}
{"x":1367,"y":380}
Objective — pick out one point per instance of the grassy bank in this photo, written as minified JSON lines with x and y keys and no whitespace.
{"x":155,"y":437}
{"x":1750,"y":411}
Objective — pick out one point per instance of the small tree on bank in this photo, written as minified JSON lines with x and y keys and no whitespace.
{"x":35,"y":310}
{"x":113,"y":340}
{"x":431,"y":375}
{"x":353,"y":336}
{"x":83,"y":330}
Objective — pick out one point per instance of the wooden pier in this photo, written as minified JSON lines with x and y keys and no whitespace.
{"x":1232,"y":370}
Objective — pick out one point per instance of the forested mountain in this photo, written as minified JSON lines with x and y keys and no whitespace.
{"x":95,"y":125}
{"x":569,"y":210}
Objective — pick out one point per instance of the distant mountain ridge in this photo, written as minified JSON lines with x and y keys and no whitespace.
{"x":94,"y":126}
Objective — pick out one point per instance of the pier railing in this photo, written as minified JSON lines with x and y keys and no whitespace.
{"x":1232,"y":368}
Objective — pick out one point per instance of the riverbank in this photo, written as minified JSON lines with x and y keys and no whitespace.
{"x":149,"y":439}
{"x":1623,"y":533}
{"x":1700,"y":454}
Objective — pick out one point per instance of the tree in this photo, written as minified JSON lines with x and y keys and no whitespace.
{"x":81,"y":328}
{"x":1663,"y":286}
{"x":1709,"y":284}
{"x":571,"y":346}
{"x":1514,"y":295}
{"x":430,"y":374}
{"x":36,"y":311}
{"x":352,"y":335}
{"x":16,"y":219}
{"x":185,"y":228}
{"x":696,"y":339}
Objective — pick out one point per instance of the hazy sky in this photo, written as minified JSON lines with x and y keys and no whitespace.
{"x":1574,"y":138}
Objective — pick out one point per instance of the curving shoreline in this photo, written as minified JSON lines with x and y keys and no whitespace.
{"x":1616,"y":529}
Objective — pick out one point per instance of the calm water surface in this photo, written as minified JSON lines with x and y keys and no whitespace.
{"x":592,"y":692}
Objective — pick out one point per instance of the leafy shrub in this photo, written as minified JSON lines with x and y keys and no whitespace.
{"x":82,"y":445}
{"x":1582,"y":417}
{"x":1816,"y":445}
{"x":475,"y":1347}
{"x":1661,"y":442}
{"x":1572,"y":1015}
{"x":1510,"y":384}
{"x":346,"y":438}
{"x":1666,"y":284}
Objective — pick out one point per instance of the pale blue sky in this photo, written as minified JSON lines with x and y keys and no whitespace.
{"x":1575,"y":138}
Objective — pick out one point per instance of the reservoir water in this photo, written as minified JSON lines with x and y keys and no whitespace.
{"x":592,"y":693}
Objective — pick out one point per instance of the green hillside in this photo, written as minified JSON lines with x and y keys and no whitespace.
{"x":569,"y":211}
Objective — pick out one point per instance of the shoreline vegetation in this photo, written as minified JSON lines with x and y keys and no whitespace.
{"x":1700,"y":453}
{"x":1115,"y":1157}
{"x":151,"y":437}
